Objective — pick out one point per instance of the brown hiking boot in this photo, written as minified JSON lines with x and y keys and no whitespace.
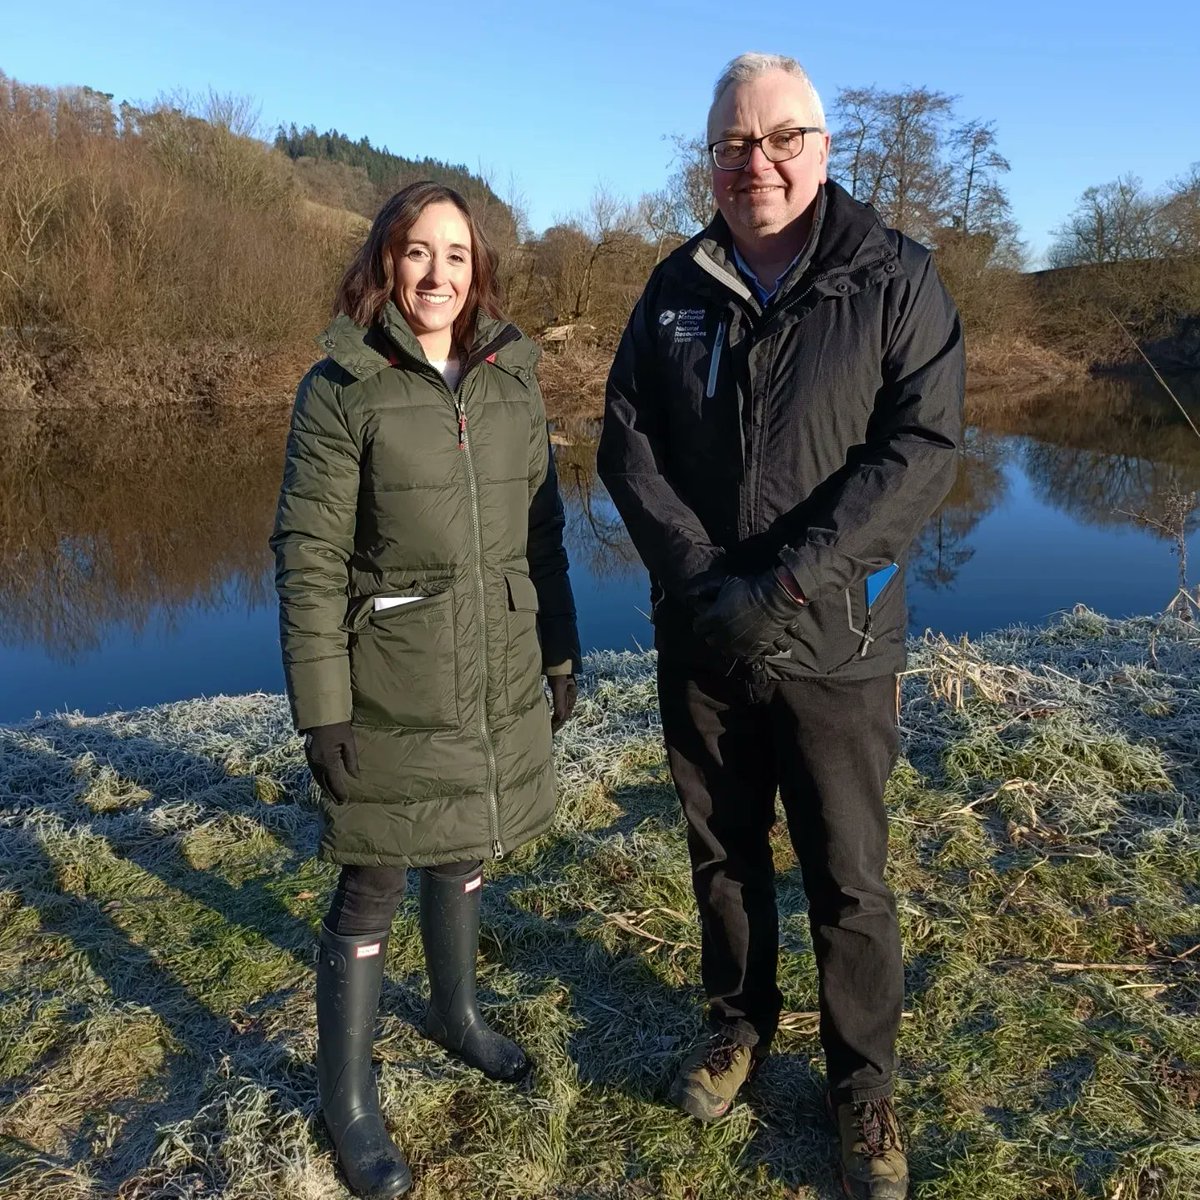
{"x":709,"y":1078}
{"x":874,"y":1166}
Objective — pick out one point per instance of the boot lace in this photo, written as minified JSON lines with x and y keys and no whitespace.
{"x":876,"y":1120}
{"x":720,"y":1056}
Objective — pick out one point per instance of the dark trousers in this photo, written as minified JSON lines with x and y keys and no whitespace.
{"x":366,"y":898}
{"x":828,"y":747}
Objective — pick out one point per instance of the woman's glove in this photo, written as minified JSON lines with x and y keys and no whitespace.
{"x":332,"y":755}
{"x":563,"y":693}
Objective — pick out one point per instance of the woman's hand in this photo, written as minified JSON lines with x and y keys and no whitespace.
{"x":563,"y":694}
{"x":332,"y":755}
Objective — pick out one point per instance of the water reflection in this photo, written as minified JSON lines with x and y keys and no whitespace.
{"x":942,"y":548}
{"x":596,"y":538}
{"x":159,"y":520}
{"x":131,"y":516}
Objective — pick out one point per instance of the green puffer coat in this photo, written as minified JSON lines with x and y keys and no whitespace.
{"x":395,"y":486}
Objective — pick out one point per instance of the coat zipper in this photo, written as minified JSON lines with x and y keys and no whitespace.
{"x":484,"y":732}
{"x":509,"y":334}
{"x":715,"y":366}
{"x":464,"y":443}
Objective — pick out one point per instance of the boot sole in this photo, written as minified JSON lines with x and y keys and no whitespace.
{"x":699,"y":1104}
{"x":849,"y":1190}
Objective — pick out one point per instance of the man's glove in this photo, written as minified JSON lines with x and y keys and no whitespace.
{"x":751,"y":617}
{"x":563,"y":693}
{"x":702,"y":589}
{"x":332,"y":755}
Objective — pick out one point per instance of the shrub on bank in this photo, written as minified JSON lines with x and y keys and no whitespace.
{"x":136,"y":228}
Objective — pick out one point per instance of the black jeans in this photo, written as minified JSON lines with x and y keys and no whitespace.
{"x":366,"y":898}
{"x":828,"y":746}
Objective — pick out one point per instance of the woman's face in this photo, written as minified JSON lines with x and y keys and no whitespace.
{"x":432,"y":272}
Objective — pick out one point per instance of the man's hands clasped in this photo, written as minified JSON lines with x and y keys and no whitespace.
{"x":752,"y":616}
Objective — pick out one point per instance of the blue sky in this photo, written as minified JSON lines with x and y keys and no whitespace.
{"x":557,"y":98}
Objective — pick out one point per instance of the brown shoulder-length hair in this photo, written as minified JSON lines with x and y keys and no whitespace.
{"x":370,"y":278}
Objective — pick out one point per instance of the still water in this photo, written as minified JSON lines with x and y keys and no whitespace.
{"x":134,"y":566}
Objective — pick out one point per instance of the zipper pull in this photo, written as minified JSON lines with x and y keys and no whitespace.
{"x":462,"y":426}
{"x":867,"y":638}
{"x":497,"y":850}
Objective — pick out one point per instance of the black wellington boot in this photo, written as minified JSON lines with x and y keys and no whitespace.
{"x":349,"y":977}
{"x":450,"y":934}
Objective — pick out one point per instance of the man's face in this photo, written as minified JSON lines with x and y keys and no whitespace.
{"x":765,"y":197}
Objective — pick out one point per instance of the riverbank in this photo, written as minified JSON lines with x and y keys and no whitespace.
{"x":572,"y":377}
{"x":153,"y":376}
{"x":158,"y":898}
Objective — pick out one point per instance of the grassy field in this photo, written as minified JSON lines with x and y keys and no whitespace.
{"x":158,"y":900}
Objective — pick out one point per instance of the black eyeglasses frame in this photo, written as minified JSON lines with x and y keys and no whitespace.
{"x":760,"y":142}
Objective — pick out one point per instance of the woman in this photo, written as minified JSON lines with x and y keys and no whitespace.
{"x":423,"y":595}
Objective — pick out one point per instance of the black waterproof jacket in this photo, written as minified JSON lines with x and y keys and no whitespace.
{"x":821,"y":430}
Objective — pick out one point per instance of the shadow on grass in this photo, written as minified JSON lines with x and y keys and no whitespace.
{"x":133,"y":977}
{"x":635,"y":1014}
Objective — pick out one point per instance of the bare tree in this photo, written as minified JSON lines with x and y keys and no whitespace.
{"x":239,"y":114}
{"x":1177,"y":222}
{"x":657,"y":218}
{"x":690,"y":185}
{"x":855,"y":152}
{"x":612,"y":224}
{"x":1111,"y":223}
{"x":977,"y":200}
{"x":889,"y":150}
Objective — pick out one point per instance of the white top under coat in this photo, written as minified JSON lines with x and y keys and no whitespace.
{"x":450,"y":369}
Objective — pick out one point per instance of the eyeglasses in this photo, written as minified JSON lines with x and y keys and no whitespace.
{"x":732,"y":154}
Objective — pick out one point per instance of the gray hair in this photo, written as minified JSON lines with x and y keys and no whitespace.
{"x":750,"y":66}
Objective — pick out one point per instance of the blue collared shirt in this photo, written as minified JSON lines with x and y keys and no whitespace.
{"x":764,"y":293}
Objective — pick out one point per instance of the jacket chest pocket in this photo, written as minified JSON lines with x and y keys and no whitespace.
{"x":403,"y":663}
{"x":523,"y":660}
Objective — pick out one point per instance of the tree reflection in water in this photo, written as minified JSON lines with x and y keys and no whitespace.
{"x":139,"y":515}
{"x":129,"y":515}
{"x":595,"y":536}
{"x":1108,"y":455}
{"x":941,"y":549}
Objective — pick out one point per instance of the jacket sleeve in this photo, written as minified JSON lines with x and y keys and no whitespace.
{"x":548,"y":566}
{"x":867,"y":514}
{"x":313,"y":541}
{"x":631,"y":461}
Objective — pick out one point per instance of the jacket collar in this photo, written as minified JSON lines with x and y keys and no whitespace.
{"x":365,"y":352}
{"x":850,"y":239}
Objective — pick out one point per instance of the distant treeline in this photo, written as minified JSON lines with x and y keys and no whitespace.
{"x":333,"y":170}
{"x":190,"y":251}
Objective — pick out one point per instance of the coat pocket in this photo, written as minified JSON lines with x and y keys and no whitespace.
{"x":523,"y":660}
{"x":863,"y":601}
{"x":403,"y":663}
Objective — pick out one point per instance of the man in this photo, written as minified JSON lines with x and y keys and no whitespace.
{"x":782,"y":417}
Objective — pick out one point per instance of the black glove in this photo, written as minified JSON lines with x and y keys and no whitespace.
{"x":750,"y":617}
{"x":332,"y":755}
{"x":563,"y":693}
{"x":702,"y":589}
